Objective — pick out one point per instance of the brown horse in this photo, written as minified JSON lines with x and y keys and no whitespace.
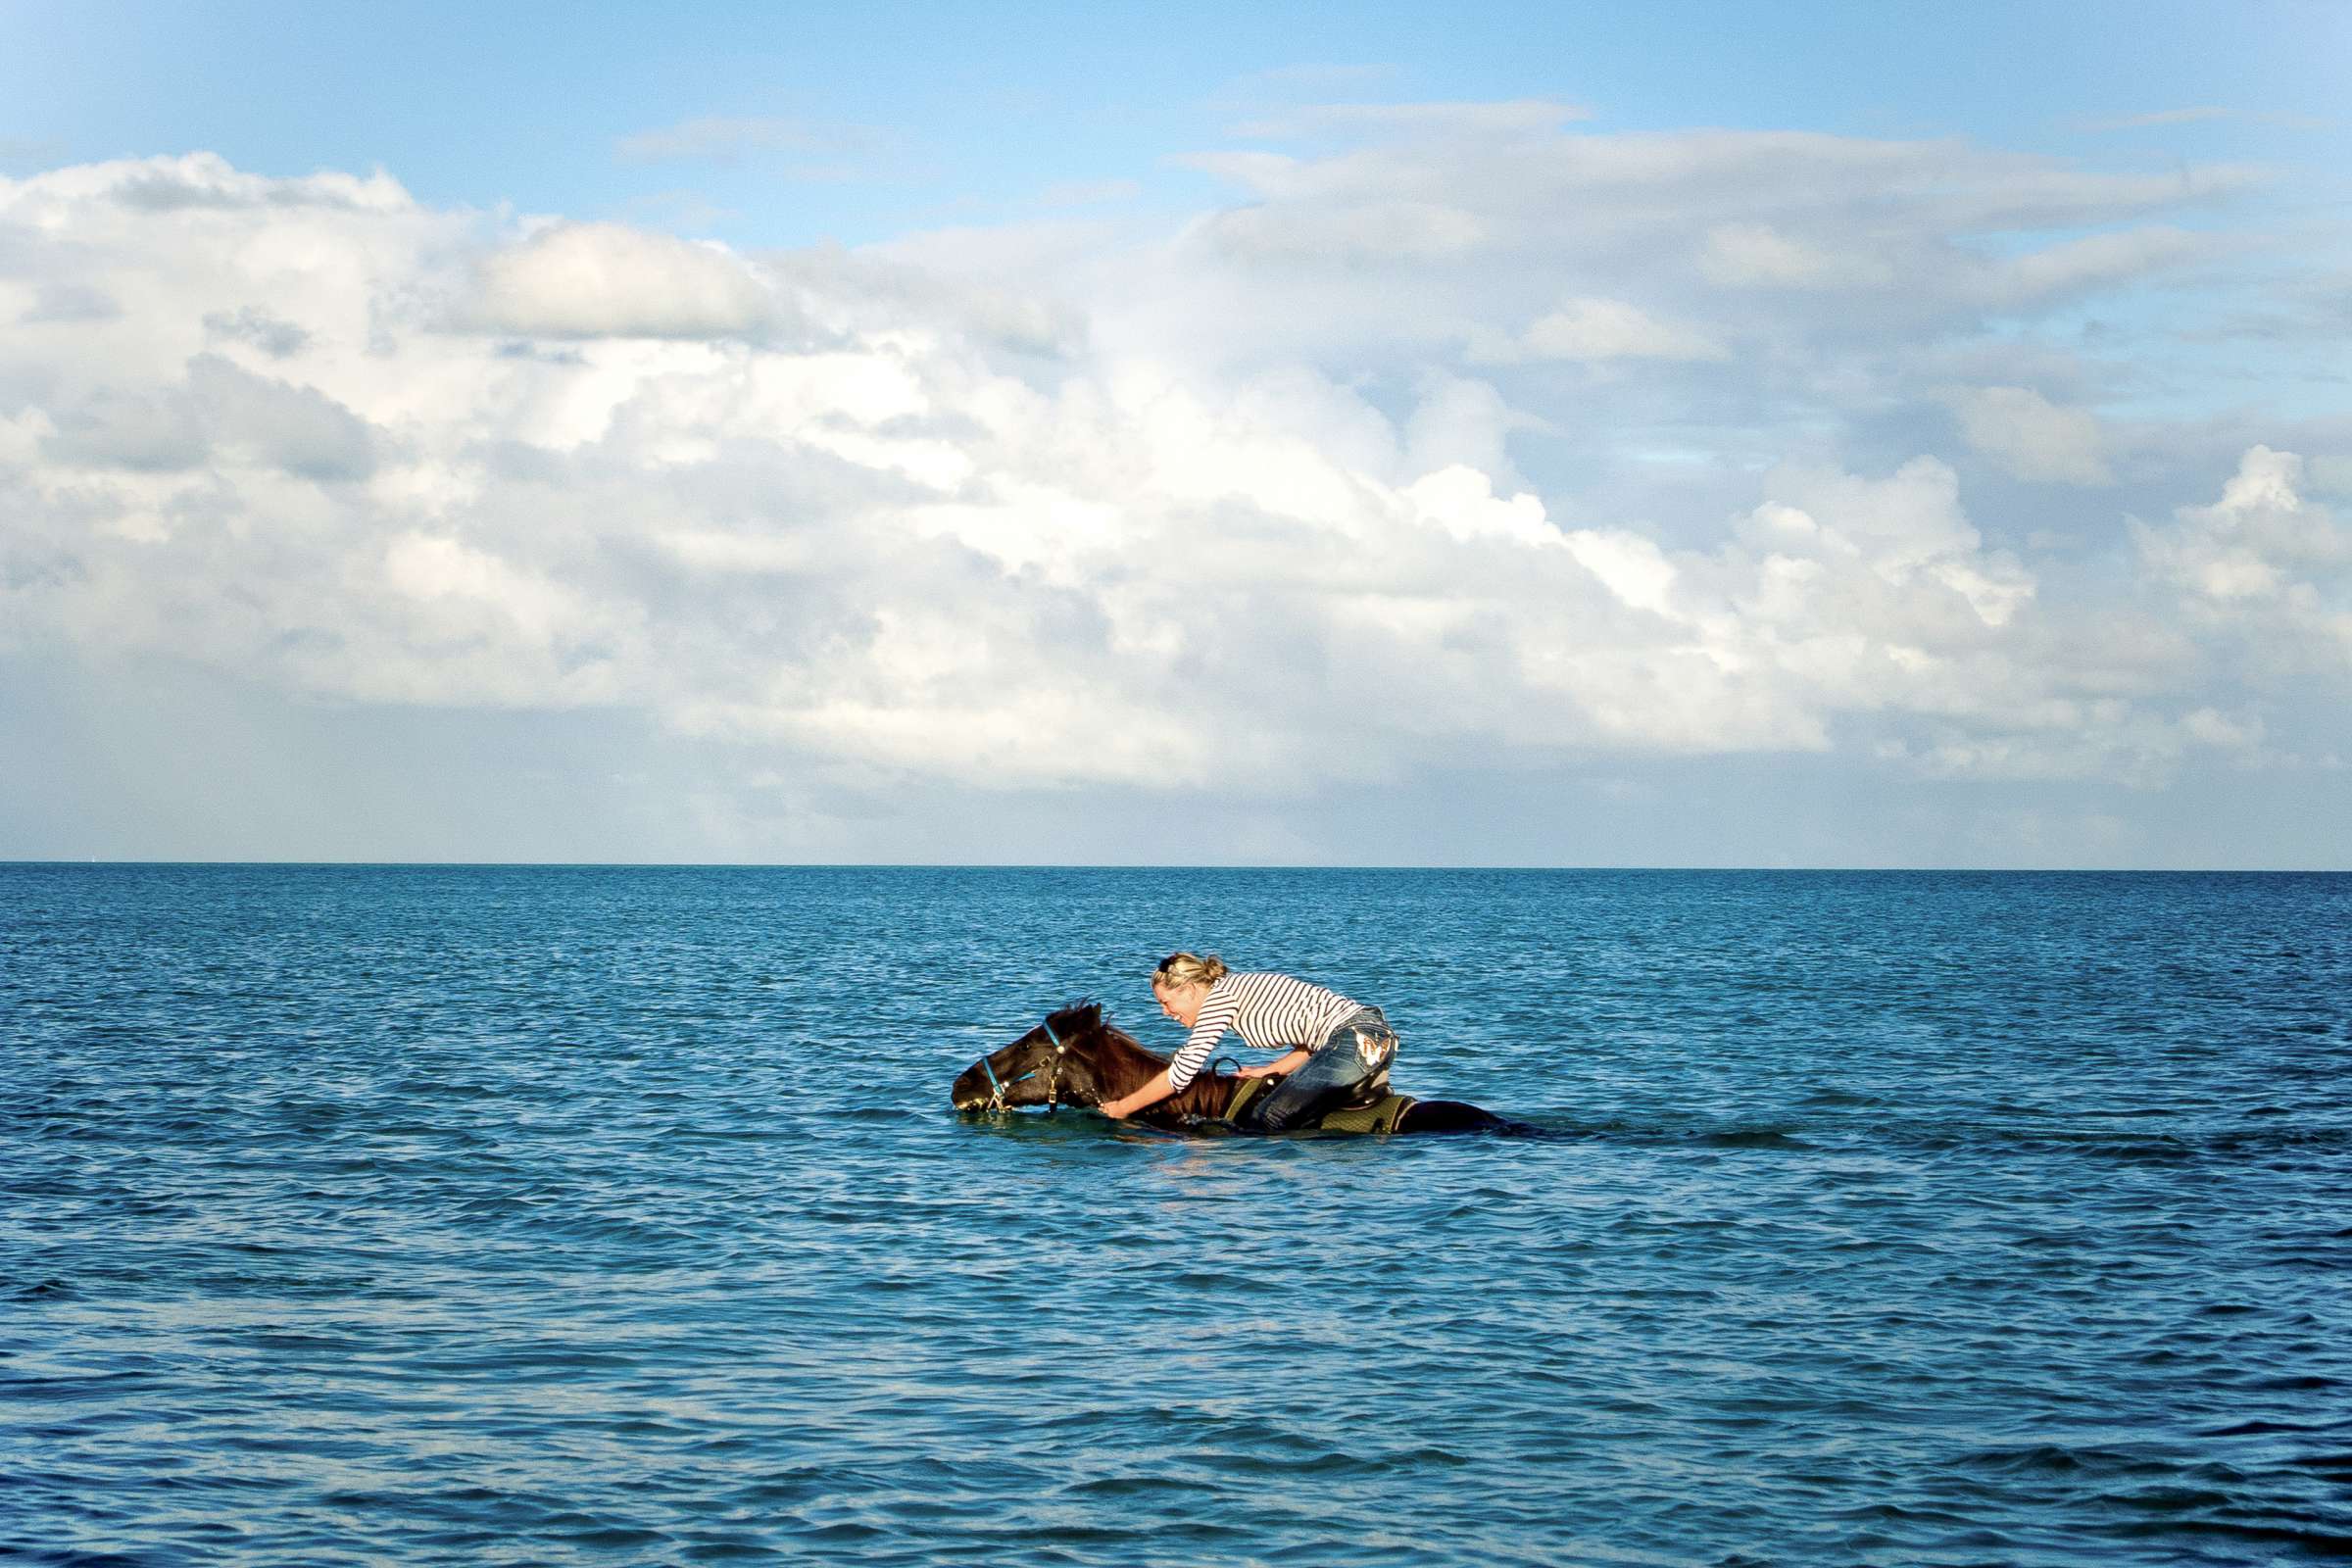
{"x":1075,"y":1057}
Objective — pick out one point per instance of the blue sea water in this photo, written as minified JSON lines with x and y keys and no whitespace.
{"x":521,"y":1215}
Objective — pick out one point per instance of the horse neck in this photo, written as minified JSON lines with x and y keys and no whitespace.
{"x":1123,"y":1064}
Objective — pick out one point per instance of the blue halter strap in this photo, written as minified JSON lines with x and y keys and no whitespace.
{"x":997,"y":1086}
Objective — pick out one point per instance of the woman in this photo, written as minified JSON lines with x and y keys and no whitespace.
{"x":1333,"y":1045}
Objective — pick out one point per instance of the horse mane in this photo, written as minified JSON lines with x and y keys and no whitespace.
{"x":1204,"y":1095}
{"x":1076,"y":1017}
{"x":1072,"y":1017}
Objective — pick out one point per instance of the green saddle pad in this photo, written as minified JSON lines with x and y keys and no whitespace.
{"x":1379,"y":1116}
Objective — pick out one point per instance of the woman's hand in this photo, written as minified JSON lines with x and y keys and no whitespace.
{"x":1143,"y":1098}
{"x":1289,"y":1063}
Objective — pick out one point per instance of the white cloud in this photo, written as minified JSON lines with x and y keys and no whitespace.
{"x":2100,"y":260}
{"x":1463,"y":504}
{"x":1014,"y":508}
{"x":1594,"y":330}
{"x":607,"y":280}
{"x":63,"y":302}
{"x":1629,"y":566}
{"x":1386,"y":231}
{"x":2209,"y":727}
{"x":251,"y":324}
{"x":2033,"y":438}
{"x":207,"y":183}
{"x":1759,"y":256}
{"x":1457,"y":421}
{"x":2264,"y":562}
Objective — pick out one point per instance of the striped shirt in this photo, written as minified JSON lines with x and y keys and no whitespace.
{"x":1271,"y":1011}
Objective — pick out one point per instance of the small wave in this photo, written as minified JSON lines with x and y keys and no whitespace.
{"x":1567,"y":1126}
{"x":2266,"y":1429}
{"x":1755,"y":1138}
{"x":1141,"y":1486}
{"x":2039,"y":1458}
{"x":2317,"y":1542}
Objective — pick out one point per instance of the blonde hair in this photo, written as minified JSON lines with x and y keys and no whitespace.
{"x":1189,"y":969}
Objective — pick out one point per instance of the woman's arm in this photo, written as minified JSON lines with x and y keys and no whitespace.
{"x":1208,"y":1027}
{"x":1143,"y":1098}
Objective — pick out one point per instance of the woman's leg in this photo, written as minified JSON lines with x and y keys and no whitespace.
{"x":1357,"y":1052}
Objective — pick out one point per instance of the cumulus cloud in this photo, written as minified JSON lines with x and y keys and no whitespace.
{"x":1008,"y":508}
{"x":279,"y":339}
{"x":2265,"y":562}
{"x":206,"y":181}
{"x":607,"y":280}
{"x":136,"y":431}
{"x":69,"y":303}
{"x":218,"y":413}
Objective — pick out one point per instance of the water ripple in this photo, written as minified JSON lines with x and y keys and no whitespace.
{"x":359,"y":1214}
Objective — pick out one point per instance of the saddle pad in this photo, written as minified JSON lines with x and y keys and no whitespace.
{"x":1379,"y":1116}
{"x":1247,"y":1090}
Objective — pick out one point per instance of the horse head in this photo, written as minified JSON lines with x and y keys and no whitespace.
{"x":1050,"y":1064}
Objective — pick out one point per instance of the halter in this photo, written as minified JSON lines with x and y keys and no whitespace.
{"x":996,"y":1087}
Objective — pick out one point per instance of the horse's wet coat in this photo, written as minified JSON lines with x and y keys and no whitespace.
{"x":1077,"y":1057}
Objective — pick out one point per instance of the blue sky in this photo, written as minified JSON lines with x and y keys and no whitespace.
{"x":1825,"y":434}
{"x":921,"y":112}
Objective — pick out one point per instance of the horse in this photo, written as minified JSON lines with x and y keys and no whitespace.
{"x":1077,"y":1057}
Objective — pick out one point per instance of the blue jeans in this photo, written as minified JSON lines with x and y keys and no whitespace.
{"x":1357,"y":1052}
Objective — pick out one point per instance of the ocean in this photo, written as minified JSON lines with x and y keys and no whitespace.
{"x":502,"y":1215}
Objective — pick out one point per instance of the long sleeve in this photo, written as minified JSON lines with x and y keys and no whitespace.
{"x":1270,"y":1011}
{"x":1216,"y":1016}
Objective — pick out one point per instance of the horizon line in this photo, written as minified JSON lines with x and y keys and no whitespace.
{"x":1172,"y":865}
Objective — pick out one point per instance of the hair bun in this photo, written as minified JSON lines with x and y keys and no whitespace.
{"x":1190,"y":969}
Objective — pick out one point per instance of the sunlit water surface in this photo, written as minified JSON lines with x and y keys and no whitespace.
{"x":360,"y":1215}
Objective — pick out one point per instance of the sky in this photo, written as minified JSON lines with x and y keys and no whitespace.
{"x":1818,"y":435}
